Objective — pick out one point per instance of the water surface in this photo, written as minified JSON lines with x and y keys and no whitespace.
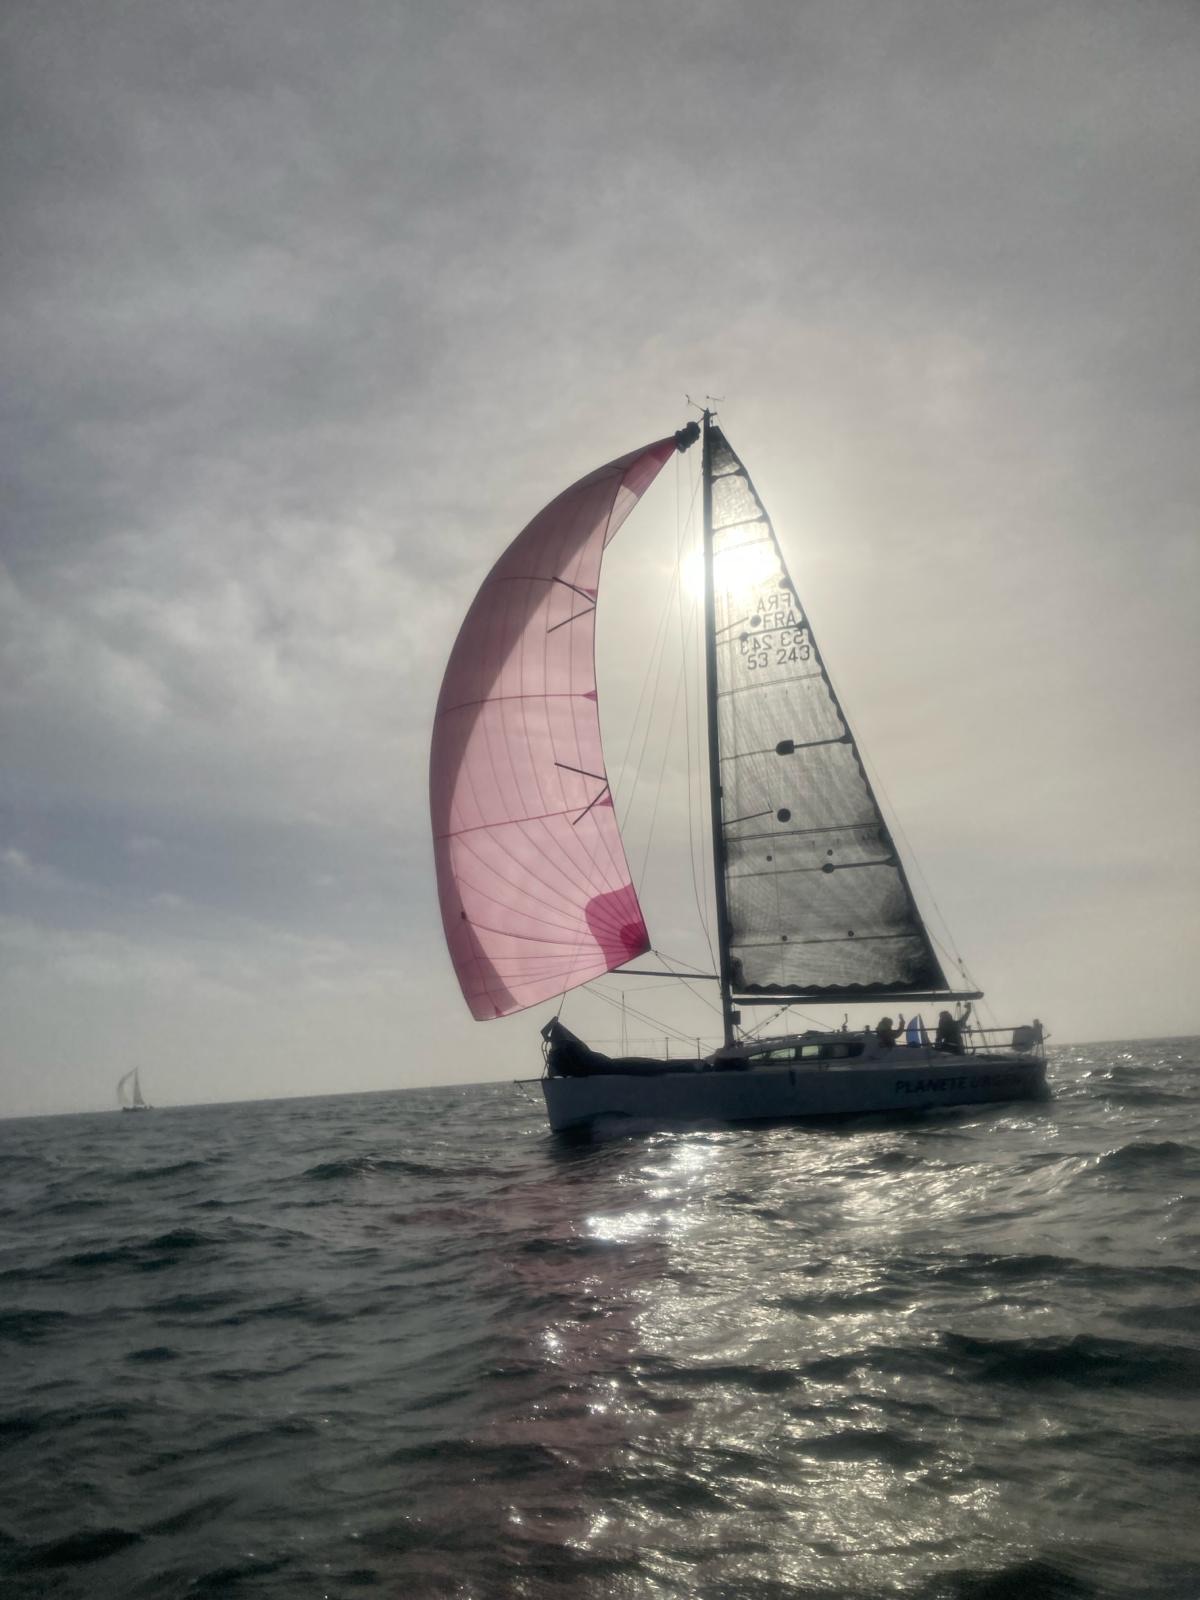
{"x":411,"y":1345}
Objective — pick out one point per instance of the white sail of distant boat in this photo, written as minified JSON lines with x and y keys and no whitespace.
{"x":813,"y":904}
{"x":129,"y":1093}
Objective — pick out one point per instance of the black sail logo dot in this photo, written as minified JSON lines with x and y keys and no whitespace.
{"x":783,"y":814}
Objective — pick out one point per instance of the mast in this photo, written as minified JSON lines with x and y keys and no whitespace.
{"x":728,"y":1015}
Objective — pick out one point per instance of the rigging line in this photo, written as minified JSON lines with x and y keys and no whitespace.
{"x":895,"y":818}
{"x":679,"y":961}
{"x":681,"y":538}
{"x":653,"y":661}
{"x":952,"y":957}
{"x":652,"y":709}
{"x":642,"y":1016}
{"x":699,"y":994}
{"x":684,"y":980}
{"x":703,"y":798}
{"x":913,"y":857}
{"x":662,"y":769}
{"x":645,"y":988}
{"x":657,"y":661}
{"x":804,"y":1017}
{"x":653,"y":667}
{"x":983,"y":1005}
{"x":753,"y":1032}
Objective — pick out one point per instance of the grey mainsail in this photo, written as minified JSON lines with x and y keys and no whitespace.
{"x":134,"y":1101}
{"x":817,"y":905}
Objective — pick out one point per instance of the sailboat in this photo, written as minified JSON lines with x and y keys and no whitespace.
{"x":813,"y":905}
{"x":129,"y":1093}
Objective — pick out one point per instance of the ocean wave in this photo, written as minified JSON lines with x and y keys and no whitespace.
{"x":78,"y":1549}
{"x":292,"y":1308}
{"x":732,"y":1375}
{"x":843,"y":1302}
{"x":197,"y":1514}
{"x":147,"y":1255}
{"x":170,"y":1169}
{"x":19,"y":1425}
{"x":1154,"y":1155}
{"x":74,"y":1206}
{"x":28,"y":1325}
{"x":153,"y":1353}
{"x":1084,"y":1360}
{"x":1135,"y":1097}
{"x":184,"y":1307}
{"x":228,"y":1580}
{"x":887,"y":1445}
{"x":982,"y":1270}
{"x":370,"y":1166}
{"x":516,"y":1461}
{"x":1034,"y":1579}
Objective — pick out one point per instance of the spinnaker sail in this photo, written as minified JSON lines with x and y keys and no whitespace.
{"x":536,"y":894}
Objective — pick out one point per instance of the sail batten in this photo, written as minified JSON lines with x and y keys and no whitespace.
{"x":536,"y":893}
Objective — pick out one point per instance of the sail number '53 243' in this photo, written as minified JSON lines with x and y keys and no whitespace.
{"x":776,"y":635}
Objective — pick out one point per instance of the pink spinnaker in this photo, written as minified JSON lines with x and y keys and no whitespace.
{"x":535,"y":890}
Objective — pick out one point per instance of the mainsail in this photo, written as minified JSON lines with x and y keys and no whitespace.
{"x":535,"y":890}
{"x":135,"y":1094}
{"x":816,"y":901}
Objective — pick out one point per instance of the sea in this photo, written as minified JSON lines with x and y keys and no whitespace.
{"x":410,"y":1344}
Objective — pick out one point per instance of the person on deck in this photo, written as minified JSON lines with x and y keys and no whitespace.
{"x":885,"y":1033}
{"x":949,"y":1033}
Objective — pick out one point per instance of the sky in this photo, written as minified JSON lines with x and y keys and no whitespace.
{"x":306,"y":307}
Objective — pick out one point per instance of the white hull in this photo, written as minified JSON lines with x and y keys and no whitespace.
{"x":781,"y":1092}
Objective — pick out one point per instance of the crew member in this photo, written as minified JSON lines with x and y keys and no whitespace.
{"x":949,"y":1033}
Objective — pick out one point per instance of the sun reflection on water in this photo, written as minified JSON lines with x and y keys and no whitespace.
{"x":829,"y":1361}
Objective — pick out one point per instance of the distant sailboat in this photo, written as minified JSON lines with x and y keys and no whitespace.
{"x":129,"y":1093}
{"x":813,"y":905}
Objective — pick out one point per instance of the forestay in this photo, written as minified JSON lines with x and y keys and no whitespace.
{"x":817,"y":900}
